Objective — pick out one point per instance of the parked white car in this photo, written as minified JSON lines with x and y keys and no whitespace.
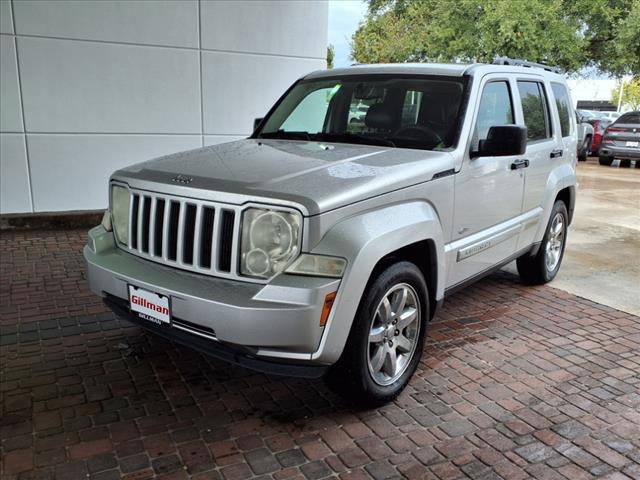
{"x":585,"y":137}
{"x":319,"y":246}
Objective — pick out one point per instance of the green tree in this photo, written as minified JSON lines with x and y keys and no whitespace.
{"x":330,"y":56}
{"x":572,"y":34}
{"x":630,"y":94}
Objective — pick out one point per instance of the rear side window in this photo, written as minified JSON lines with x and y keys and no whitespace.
{"x":563,"y":104}
{"x":495,"y":108}
{"x":534,"y":109}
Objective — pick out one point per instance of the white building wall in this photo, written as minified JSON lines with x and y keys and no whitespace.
{"x":90,"y":86}
{"x":591,"y":89}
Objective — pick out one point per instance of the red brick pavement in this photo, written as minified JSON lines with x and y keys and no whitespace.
{"x":516,"y":382}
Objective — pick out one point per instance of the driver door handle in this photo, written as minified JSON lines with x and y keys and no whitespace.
{"x":518,"y":164}
{"x":556,"y":153}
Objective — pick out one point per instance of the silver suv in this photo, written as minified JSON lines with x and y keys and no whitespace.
{"x":323,"y":244}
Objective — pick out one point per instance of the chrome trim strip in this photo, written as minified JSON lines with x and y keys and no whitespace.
{"x":483,"y":245}
{"x":480,"y":241}
{"x":195,"y":332}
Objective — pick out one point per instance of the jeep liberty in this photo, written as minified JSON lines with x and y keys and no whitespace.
{"x":323,"y":244}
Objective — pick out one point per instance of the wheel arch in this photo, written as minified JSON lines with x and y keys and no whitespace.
{"x":370,"y":241}
{"x":423,"y":255}
{"x":568,"y":196}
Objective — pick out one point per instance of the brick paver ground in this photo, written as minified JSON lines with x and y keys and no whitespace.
{"x":516,"y":382}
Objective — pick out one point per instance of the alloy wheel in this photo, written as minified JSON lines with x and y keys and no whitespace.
{"x":393,"y":334}
{"x":553,"y":248}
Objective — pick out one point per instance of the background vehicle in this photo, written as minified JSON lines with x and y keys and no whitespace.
{"x":585,"y":137}
{"x":591,"y":114}
{"x":599,"y":125}
{"x":321,"y":246}
{"x":621,"y":140}
{"x":611,"y":115}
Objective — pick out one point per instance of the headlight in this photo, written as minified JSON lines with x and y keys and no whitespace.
{"x":120,"y":213}
{"x":270,"y":240}
{"x":318,"y":266}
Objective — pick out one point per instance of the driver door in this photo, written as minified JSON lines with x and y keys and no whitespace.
{"x":488,"y":193}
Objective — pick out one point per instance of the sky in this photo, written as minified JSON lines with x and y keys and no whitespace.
{"x":344,"y":16}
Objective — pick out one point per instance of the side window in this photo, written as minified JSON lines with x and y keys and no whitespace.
{"x":534,"y":109}
{"x":495,"y":108}
{"x":310,"y":113}
{"x":564,"y":108}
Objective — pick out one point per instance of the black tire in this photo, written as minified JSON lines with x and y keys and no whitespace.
{"x":534,"y":270}
{"x":625,"y":163}
{"x":351,"y":377}
{"x":605,"y":160}
{"x":584,"y":150}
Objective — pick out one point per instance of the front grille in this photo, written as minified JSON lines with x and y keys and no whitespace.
{"x":190,"y":234}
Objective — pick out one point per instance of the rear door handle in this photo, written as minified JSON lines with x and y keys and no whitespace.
{"x":556,"y":153}
{"x":518,"y":164}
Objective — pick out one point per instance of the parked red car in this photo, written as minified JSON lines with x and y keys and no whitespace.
{"x":599,"y":126}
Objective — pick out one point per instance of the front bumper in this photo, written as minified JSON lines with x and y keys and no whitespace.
{"x":278,"y":321}
{"x":627,"y":153}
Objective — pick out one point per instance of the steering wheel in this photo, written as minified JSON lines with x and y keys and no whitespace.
{"x":418,"y":132}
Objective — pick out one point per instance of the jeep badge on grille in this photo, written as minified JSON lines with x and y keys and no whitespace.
{"x":182,"y":179}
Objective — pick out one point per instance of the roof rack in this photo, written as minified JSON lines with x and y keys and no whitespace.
{"x":524,"y":63}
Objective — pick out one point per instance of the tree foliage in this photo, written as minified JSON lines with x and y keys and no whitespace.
{"x":331,"y":53}
{"x":630,"y":94}
{"x":572,"y":34}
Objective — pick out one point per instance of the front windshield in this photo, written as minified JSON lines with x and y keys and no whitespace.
{"x":412,"y":112}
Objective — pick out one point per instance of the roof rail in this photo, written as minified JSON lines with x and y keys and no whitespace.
{"x":524,"y":63}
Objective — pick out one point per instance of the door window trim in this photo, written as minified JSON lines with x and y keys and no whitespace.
{"x":488,"y":78}
{"x":484,"y":87}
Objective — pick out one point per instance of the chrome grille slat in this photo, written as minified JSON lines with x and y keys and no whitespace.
{"x":129,"y":239}
{"x":152,"y":227}
{"x":139,"y":220}
{"x":214,"y":241}
{"x":197,"y":236}
{"x":180,"y":244}
{"x":165,"y":231}
{"x":154,"y":238}
{"x":235,"y":243}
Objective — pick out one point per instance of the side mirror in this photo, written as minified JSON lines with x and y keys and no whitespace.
{"x":503,"y":141}
{"x":257,"y":122}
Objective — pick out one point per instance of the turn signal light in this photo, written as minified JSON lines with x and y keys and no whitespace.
{"x":326,"y":308}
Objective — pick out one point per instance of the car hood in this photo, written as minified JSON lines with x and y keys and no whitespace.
{"x":317,"y":176}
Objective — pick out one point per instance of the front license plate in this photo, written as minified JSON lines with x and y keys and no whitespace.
{"x":150,"y":306}
{"x":633,"y":144}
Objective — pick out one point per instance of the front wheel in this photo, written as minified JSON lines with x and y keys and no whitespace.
{"x":386,"y":339}
{"x":543,"y":267}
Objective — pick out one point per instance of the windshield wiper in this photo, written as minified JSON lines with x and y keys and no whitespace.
{"x":286,"y":135}
{"x":353,"y":138}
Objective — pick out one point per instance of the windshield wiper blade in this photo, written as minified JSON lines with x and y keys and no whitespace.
{"x":354,"y":138}
{"x":282,"y":134}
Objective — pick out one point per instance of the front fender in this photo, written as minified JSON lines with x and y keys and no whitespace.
{"x":363,"y":240}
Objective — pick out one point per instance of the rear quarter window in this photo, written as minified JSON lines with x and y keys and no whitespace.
{"x":563,"y":104}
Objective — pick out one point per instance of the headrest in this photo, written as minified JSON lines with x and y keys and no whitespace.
{"x":378,"y":116}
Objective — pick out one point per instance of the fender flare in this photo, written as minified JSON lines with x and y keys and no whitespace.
{"x":560,"y":178}
{"x":364,"y":240}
